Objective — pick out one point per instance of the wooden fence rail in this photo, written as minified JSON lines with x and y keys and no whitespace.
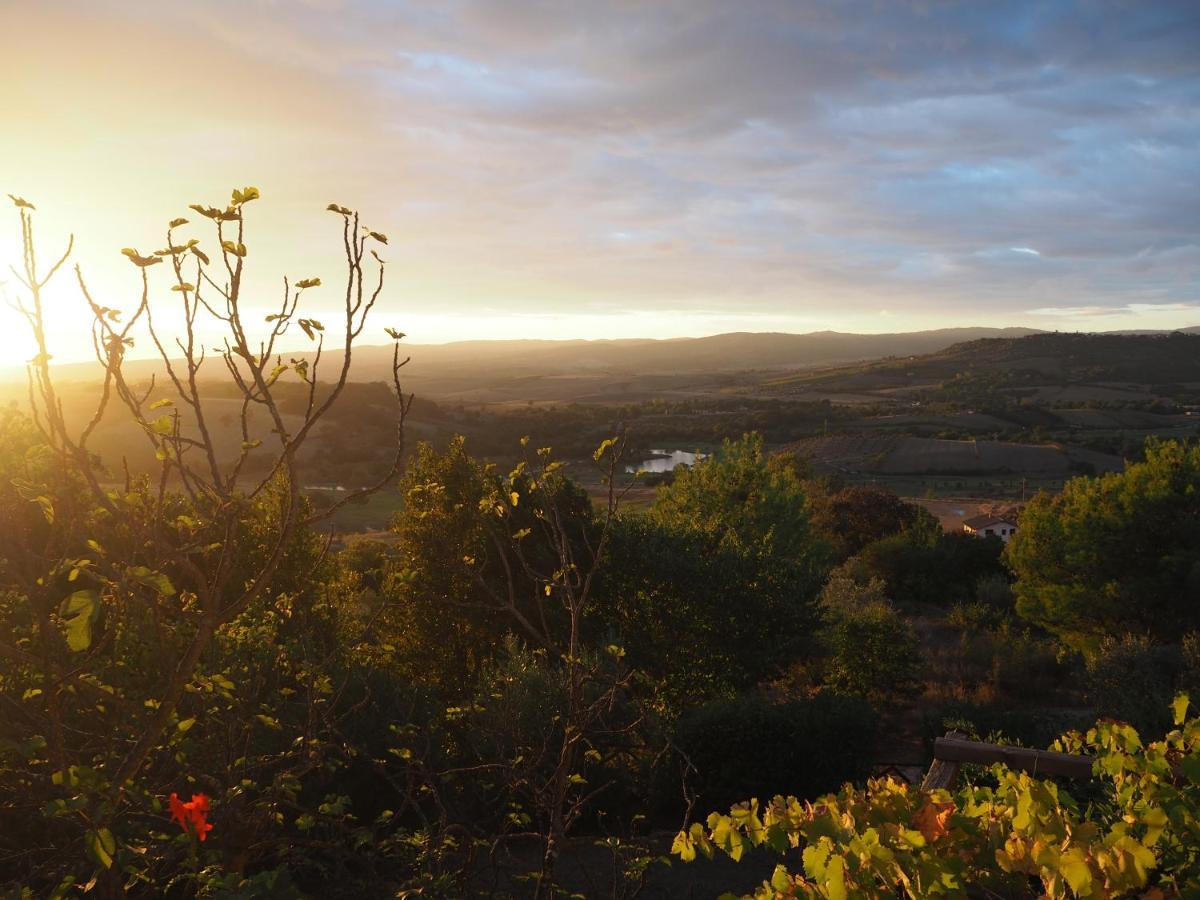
{"x":954,"y":749}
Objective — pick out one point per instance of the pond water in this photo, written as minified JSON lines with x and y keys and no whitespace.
{"x":665,"y":461}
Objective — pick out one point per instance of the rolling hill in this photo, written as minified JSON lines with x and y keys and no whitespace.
{"x":440,"y":369}
{"x":1108,"y":361}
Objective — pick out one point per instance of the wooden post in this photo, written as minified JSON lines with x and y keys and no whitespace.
{"x":942,"y":772}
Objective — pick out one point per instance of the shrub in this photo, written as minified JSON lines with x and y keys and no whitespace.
{"x":870,"y":649}
{"x":1131,"y":678}
{"x":1000,"y":839}
{"x":748,"y":746}
{"x":998,"y":723}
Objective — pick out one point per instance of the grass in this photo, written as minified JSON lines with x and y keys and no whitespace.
{"x":373,"y":514}
{"x":1006,"y":486}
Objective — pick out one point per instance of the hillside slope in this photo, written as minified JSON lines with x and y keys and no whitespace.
{"x":1043,"y":358}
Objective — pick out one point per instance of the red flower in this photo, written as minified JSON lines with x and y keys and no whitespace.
{"x":193,"y":816}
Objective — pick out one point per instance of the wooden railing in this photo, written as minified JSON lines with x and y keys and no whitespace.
{"x":954,"y":749}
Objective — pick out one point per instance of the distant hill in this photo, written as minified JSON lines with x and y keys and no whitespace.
{"x":738,"y":351}
{"x":880,"y":454}
{"x":608,"y":371}
{"x":1046,"y":357}
{"x":1141,"y":358}
{"x":451,"y":368}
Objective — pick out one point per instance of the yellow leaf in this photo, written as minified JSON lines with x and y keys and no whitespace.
{"x":1180,"y":708}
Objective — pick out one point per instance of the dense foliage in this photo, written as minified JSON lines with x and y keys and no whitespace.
{"x":523,"y":686}
{"x":1115,"y":554}
{"x":1011,"y":835}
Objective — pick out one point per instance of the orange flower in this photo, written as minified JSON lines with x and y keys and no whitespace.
{"x":192,"y":816}
{"x":931,"y":819}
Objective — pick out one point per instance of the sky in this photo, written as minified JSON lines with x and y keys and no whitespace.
{"x":626,"y":169}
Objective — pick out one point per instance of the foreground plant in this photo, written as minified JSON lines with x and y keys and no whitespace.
{"x":1020,"y":836}
{"x":141,"y":610}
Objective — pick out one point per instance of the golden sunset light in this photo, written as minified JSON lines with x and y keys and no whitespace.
{"x":520,"y":450}
{"x":549,"y":177}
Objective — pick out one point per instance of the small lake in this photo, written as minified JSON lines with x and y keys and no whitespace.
{"x":665,"y":461}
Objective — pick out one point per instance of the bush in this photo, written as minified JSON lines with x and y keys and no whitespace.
{"x":1018,"y":836}
{"x":999,"y":723}
{"x":750,"y":747}
{"x":1133,"y":679}
{"x":870,"y":649}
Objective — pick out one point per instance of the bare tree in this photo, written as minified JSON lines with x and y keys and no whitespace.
{"x":180,"y":531}
{"x":595,"y":684}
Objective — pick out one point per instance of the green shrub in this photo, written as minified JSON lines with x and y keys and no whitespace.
{"x":749,"y":746}
{"x":1133,"y":679}
{"x":999,"y":723}
{"x":870,"y":649}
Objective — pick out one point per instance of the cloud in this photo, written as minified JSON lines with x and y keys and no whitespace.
{"x":1130,"y":309}
{"x":768,"y":157}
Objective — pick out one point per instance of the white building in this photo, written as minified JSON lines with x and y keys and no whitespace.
{"x":981,"y":526}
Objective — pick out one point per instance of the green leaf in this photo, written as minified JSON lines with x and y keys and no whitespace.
{"x":79,"y":612}
{"x":815,"y":858}
{"x":1180,"y":708}
{"x":100,"y":846}
{"x":175,"y":223}
{"x":159,"y":404}
{"x":21,"y":202}
{"x":308,"y":282}
{"x":1074,"y":868}
{"x":185,"y":724}
{"x":780,"y":879}
{"x":382,"y":238}
{"x":152,"y":579}
{"x":835,"y":879}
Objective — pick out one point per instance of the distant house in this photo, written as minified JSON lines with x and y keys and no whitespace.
{"x":981,"y":526}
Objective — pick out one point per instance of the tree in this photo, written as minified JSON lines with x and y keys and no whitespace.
{"x":1115,"y":554}
{"x":854,"y":517}
{"x":923,"y":564}
{"x":701,"y":618}
{"x":121,"y":606}
{"x":717,"y":588}
{"x":491,"y":565}
{"x":870,"y":649}
{"x":462,"y":580}
{"x":742,"y":498}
